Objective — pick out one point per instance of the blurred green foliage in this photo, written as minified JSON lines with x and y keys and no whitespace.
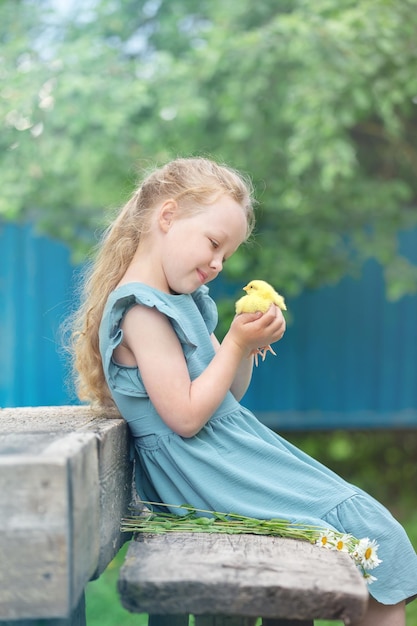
{"x":315,"y":99}
{"x":383,"y":463}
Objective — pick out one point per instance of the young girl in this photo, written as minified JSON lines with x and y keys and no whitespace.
{"x":144,"y":341}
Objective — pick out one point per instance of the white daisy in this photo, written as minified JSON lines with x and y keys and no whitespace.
{"x":366,"y":553}
{"x":369,"y":578}
{"x":343,"y":543}
{"x":327,"y":539}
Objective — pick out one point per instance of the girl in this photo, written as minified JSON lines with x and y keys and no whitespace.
{"x":144,"y":341}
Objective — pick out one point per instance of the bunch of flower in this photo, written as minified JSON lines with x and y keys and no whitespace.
{"x":362,"y":551}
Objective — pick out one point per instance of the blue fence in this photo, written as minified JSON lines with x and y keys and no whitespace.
{"x":35,"y":294}
{"x":348,"y":359}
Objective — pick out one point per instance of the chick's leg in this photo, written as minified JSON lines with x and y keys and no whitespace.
{"x":262,"y":352}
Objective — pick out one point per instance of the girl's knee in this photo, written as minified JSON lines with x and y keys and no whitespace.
{"x":378,"y":614}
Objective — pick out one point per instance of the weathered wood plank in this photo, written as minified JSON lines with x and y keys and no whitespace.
{"x":228,"y":620}
{"x":240,"y":575}
{"x":220,"y":620}
{"x":48,"y":536}
{"x":65,"y":483}
{"x":76,"y":618}
{"x":115,"y":491}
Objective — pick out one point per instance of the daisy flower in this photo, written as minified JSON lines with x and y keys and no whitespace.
{"x":369,"y":578}
{"x":343,"y":543}
{"x":327,"y":539}
{"x":366,"y":553}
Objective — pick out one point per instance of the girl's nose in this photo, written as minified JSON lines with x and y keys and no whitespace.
{"x":217,"y":264}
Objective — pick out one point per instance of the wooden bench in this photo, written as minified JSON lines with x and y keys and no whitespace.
{"x":239,"y":575}
{"x":65,"y":484}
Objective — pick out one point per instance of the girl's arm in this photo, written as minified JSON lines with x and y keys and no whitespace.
{"x":243,"y":375}
{"x":184,"y":404}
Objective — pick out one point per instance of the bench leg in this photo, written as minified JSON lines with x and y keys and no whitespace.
{"x":168,"y":620}
{"x":224,"y":620}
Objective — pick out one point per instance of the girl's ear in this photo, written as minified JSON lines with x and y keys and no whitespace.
{"x":167,"y":214}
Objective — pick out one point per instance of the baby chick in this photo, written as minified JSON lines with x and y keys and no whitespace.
{"x":260,"y":296}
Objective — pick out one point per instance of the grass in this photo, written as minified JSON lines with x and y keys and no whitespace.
{"x":103,"y":607}
{"x":383,"y":463}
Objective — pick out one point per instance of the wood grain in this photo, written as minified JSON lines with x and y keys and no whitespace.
{"x":244,"y":575}
{"x":65,"y":483}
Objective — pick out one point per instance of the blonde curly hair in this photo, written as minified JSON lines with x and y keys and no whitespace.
{"x":193,"y":183}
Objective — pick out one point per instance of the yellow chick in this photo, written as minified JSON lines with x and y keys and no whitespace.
{"x":260,"y":296}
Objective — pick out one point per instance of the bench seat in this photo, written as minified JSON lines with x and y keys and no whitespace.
{"x":239,"y":575}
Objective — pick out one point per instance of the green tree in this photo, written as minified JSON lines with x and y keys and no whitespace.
{"x":314,"y":99}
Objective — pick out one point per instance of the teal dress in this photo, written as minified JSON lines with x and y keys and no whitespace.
{"x":235,"y":463}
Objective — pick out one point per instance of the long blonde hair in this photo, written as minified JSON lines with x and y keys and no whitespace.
{"x":189,"y":181}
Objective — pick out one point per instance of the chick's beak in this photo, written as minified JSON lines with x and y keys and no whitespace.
{"x":246,"y":288}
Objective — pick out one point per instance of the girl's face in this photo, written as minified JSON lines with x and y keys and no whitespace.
{"x":196,"y":246}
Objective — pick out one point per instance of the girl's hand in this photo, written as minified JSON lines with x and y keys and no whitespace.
{"x":255,"y":330}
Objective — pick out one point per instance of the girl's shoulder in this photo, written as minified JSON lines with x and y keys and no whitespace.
{"x":173,"y":305}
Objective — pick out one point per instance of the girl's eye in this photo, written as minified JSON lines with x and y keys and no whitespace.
{"x":214,"y":243}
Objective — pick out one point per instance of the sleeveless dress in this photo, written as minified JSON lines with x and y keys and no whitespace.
{"x":235,"y":463}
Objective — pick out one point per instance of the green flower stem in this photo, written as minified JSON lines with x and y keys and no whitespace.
{"x":203,"y":521}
